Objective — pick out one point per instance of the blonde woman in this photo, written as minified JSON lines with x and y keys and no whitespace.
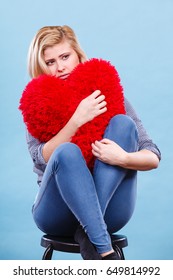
{"x":71,"y":200}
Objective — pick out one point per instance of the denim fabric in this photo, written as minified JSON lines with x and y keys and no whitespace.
{"x":145,"y":142}
{"x":102,"y":202}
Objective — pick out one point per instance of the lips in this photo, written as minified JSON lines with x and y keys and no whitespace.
{"x":64,"y":76}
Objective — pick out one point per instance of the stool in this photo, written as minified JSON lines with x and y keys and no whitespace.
{"x":69,"y":245}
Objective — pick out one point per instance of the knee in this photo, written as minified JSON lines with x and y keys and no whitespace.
{"x":67,"y":152}
{"x":123,"y":120}
{"x":123,"y":124}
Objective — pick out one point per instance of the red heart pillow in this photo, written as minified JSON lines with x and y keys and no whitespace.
{"x":48,"y":102}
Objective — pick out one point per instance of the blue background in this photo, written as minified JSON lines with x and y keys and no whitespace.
{"x":136,"y":36}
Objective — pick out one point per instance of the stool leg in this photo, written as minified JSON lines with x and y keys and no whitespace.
{"x":119,"y":251}
{"x":122,"y":254}
{"x":48,"y":253}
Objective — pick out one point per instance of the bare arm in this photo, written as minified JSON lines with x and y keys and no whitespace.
{"x":147,"y":157}
{"x":110,"y":152}
{"x":89,"y":108}
{"x":142,"y":160}
{"x":64,"y":135}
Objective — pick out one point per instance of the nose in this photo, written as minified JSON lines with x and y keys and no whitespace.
{"x":60,"y":67}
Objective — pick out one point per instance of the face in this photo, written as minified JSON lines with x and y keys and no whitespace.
{"x":61,"y":59}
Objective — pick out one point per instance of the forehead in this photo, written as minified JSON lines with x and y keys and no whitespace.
{"x":58,"y":49}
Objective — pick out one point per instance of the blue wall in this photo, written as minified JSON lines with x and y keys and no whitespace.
{"x":136,"y":36}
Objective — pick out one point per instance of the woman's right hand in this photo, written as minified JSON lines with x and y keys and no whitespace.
{"x":89,"y":108}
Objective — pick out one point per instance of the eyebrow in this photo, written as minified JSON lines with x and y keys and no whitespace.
{"x":49,"y":59}
{"x":65,"y":53}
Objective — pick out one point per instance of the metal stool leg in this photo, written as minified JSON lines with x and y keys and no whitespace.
{"x":119,"y":251}
{"x":48,"y":253}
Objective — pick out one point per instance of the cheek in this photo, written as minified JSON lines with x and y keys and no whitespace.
{"x":75,"y":62}
{"x":52,"y":70}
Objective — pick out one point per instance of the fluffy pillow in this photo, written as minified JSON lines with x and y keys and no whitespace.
{"x":48,"y":102}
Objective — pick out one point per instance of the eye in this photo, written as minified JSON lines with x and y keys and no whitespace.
{"x":65,"y":56}
{"x":50,"y":62}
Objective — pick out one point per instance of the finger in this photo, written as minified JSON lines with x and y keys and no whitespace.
{"x":100,"y":98}
{"x":102,"y":104}
{"x":101,"y":111}
{"x":98,"y":144}
{"x":95,"y":148}
{"x":96,"y":93}
{"x":106,"y":141}
{"x":95,"y":153}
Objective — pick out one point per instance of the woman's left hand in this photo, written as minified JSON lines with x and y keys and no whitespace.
{"x":109,"y":152}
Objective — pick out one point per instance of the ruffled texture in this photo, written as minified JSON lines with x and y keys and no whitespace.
{"x":48,"y":102}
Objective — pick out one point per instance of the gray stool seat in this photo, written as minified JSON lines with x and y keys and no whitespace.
{"x":69,"y":245}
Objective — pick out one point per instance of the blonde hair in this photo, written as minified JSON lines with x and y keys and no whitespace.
{"x":49,"y":36}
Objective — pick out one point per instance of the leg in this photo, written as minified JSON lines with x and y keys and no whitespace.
{"x":122,"y":203}
{"x":108,"y":178}
{"x":50,"y":211}
{"x":68,"y":195}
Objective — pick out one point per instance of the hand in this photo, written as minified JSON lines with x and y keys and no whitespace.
{"x":109,"y":152}
{"x":90,"y":107}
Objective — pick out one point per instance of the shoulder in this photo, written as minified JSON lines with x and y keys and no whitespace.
{"x":130,"y":111}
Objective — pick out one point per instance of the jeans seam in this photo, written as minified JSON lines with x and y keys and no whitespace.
{"x":35,"y":206}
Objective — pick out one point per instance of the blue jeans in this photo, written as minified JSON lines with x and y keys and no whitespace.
{"x":102,"y":201}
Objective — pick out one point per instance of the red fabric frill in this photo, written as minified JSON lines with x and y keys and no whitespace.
{"x":48,"y":102}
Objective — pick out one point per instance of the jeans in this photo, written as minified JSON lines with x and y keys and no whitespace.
{"x":102,"y":201}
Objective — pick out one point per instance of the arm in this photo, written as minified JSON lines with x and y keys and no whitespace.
{"x":110,"y":152}
{"x":147,"y":157}
{"x":88,"y":109}
{"x":35,"y":149}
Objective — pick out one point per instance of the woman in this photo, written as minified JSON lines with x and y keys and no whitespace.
{"x":71,"y":200}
